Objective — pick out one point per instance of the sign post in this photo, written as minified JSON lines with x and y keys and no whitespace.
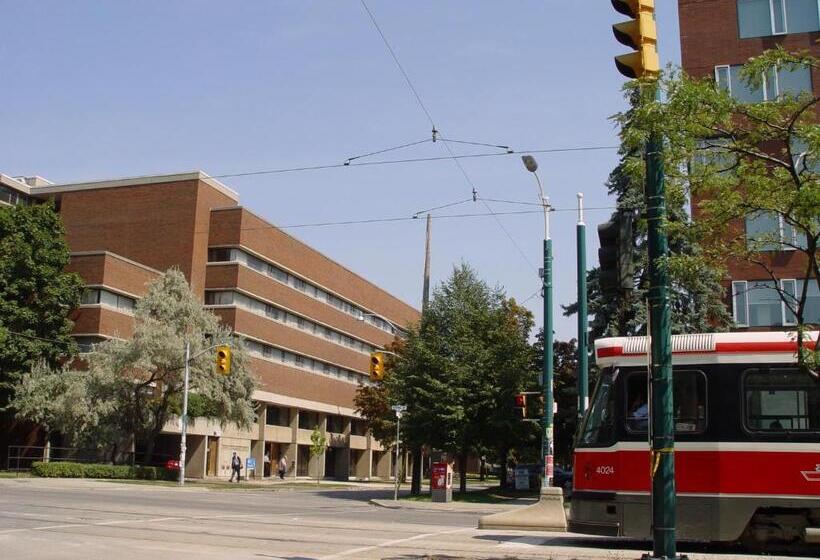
{"x":399,"y":409}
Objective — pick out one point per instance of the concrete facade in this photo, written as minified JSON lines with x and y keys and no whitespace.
{"x":710,"y":35}
{"x":309,"y":323}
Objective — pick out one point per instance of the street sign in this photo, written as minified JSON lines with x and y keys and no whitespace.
{"x":398,"y":408}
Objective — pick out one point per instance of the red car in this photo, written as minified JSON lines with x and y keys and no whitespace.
{"x":172,"y":464}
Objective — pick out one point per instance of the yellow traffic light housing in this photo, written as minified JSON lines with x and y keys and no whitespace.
{"x":640,"y":34}
{"x":223,"y":360}
{"x":376,"y":366}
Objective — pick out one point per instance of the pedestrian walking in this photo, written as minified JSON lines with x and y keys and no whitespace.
{"x":283,"y":466}
{"x":236,"y":466}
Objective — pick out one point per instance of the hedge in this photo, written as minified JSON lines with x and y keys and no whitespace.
{"x":93,"y":470}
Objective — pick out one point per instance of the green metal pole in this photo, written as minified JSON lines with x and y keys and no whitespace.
{"x":663,"y":434}
{"x":583,"y":315}
{"x":546,"y":441}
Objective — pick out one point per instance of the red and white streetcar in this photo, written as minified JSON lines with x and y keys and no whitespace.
{"x":747,"y":441}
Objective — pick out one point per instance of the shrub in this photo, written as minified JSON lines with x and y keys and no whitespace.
{"x":94,"y":470}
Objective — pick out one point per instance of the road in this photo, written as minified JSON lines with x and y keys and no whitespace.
{"x":80,"y":519}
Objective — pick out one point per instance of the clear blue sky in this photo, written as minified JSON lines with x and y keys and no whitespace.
{"x":97,"y":89}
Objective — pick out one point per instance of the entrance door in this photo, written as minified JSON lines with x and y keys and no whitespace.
{"x":213,"y":456}
{"x":330,"y":462}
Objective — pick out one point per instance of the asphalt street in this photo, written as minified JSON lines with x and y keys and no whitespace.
{"x":81,"y":519}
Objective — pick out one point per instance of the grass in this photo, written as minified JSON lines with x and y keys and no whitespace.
{"x":493,"y":495}
{"x":13,"y":474}
{"x":225,"y":485}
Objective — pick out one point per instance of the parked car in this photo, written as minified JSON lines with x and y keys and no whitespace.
{"x":172,"y":464}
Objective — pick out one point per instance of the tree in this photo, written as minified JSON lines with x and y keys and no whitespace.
{"x":696,"y":292}
{"x":457,"y":372}
{"x":36,"y":298}
{"x":318,"y":445}
{"x":130,"y":387}
{"x":744,"y":161}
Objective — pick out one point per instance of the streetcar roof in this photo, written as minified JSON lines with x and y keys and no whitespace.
{"x":708,"y":348}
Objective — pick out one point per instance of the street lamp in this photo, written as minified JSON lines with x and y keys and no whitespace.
{"x":546,"y":277}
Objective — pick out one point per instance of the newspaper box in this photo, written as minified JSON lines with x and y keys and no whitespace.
{"x":441,"y":482}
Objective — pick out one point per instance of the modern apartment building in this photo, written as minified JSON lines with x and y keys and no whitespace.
{"x":717,"y":38}
{"x":308,"y":322}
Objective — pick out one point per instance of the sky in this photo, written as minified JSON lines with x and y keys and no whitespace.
{"x":100,"y":90}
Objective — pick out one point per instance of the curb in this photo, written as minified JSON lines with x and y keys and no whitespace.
{"x":452,"y":507}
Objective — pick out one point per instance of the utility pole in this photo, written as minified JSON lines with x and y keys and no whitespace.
{"x":399,"y":410}
{"x":547,"y":379}
{"x":640,"y":34}
{"x":662,"y":429}
{"x":583,"y":314}
{"x":415,"y":479}
{"x":184,"y":427}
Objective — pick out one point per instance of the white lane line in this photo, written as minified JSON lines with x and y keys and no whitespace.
{"x":393,"y":543}
{"x":97,"y":524}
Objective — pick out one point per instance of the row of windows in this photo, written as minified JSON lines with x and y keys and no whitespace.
{"x":757,"y":303}
{"x":12,"y":196}
{"x":280,"y":416}
{"x":240,"y":256}
{"x":291,"y":359}
{"x":229,"y":297}
{"x":775,"y":83}
{"x":101,"y":296}
{"x":774,"y":401}
{"x":762,"y":18}
{"x":87,"y":343}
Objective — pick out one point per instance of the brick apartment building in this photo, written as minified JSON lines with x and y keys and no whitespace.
{"x":308,"y":322}
{"x":717,"y":38}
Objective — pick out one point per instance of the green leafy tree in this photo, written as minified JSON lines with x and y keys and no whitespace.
{"x":318,"y":445}
{"x":130,"y":388}
{"x":697,"y":296}
{"x":743,"y":160}
{"x":457,"y":372}
{"x":36,"y":298}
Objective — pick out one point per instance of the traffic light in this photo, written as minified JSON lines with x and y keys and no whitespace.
{"x":640,"y":34}
{"x":615,"y":254}
{"x":376,"y":366}
{"x":223,"y":360}
{"x":521,"y":404}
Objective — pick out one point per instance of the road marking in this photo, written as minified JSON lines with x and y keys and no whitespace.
{"x":393,"y":543}
{"x":97,"y":524}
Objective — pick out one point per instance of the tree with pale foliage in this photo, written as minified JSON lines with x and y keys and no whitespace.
{"x":131,"y":388}
{"x":318,"y":445}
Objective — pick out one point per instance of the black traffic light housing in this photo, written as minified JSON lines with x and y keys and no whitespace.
{"x":521,"y":405}
{"x":616,"y":255}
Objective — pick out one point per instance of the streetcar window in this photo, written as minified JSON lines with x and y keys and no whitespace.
{"x":599,"y":420}
{"x":781,"y":400}
{"x":688,"y":397}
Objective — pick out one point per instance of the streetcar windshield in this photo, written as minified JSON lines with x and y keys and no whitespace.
{"x":599,"y":421}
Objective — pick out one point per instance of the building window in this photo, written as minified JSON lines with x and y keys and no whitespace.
{"x":769,"y":231}
{"x":756,"y":303}
{"x":335,"y":424}
{"x":762,"y":18}
{"x":95,"y":296}
{"x":774,"y":84}
{"x":277,"y":416}
{"x":219,"y":298}
{"x":87,"y":344}
{"x":358,"y":427}
{"x":219,"y":255}
{"x":308,"y":420}
{"x":781,"y":400}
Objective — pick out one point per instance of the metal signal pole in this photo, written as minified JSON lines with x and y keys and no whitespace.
{"x":583,"y":315}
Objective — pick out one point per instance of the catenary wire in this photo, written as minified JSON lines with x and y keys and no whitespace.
{"x":449,"y":149}
{"x":407,"y":160}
